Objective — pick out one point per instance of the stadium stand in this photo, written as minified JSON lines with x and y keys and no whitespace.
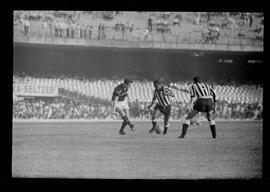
{"x":88,"y":98}
{"x":177,"y":28}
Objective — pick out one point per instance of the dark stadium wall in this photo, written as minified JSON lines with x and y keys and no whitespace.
{"x":137,"y":63}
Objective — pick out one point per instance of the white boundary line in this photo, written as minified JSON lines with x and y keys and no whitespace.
{"x":108,"y":120}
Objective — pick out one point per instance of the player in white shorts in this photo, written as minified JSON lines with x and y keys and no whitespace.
{"x":120,"y":104}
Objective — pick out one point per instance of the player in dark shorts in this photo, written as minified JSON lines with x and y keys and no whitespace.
{"x":205,"y":99}
{"x":161,"y":97}
{"x":120,"y":104}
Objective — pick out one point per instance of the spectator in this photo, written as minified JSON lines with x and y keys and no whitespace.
{"x":80,"y":31}
{"x":103,"y":32}
{"x":241,"y":34}
{"x":56,"y":28}
{"x":165,"y":23}
{"x":84,"y":31}
{"x":61,"y":28}
{"x":159,"y":23}
{"x":45,"y":27}
{"x":72,"y":30}
{"x":68,"y":29}
{"x":64,"y":28}
{"x":232,"y":23}
{"x":77,"y":30}
{"x":123,"y":30}
{"x":150,"y":24}
{"x":89,"y":29}
{"x":145,"y":34}
{"x":250,"y":20}
{"x":197,"y":19}
{"x":163,"y":35}
{"x":50,"y":24}
{"x":131,"y":29}
{"x":26,"y":25}
{"x":176,"y":21}
{"x":99,"y":31}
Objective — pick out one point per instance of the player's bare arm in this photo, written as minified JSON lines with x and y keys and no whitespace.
{"x":151,"y":106}
{"x":168,"y":92}
{"x":192,"y":99}
{"x":178,"y":89}
{"x":154,"y":101}
{"x":113,"y":104}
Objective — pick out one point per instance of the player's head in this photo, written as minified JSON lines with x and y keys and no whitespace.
{"x":196,"y":79}
{"x":157,"y":84}
{"x":127,"y":82}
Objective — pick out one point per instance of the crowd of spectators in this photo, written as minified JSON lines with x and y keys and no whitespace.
{"x":124,"y":29}
{"x":67,"y":24}
{"x":210,"y":34}
{"x":59,"y":108}
{"x":66,"y":108}
{"x":63,"y":24}
{"x":214,"y":23}
{"x":163,"y":22}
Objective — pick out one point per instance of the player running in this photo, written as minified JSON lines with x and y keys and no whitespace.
{"x":161,"y":97}
{"x":120,"y":104}
{"x":204,"y":99}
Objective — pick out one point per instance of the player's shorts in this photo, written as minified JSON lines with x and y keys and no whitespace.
{"x":121,"y":105}
{"x":204,"y":105}
{"x":164,"y":110}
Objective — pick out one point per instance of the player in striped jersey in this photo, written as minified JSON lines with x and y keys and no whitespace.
{"x":204,"y":98}
{"x":120,"y":104}
{"x":161,"y":97}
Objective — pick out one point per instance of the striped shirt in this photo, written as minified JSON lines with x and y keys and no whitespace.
{"x":121,"y":92}
{"x":201,"y":90}
{"x":163,"y":96}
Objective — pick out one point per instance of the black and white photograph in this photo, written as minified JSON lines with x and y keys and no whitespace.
{"x":137,"y":95}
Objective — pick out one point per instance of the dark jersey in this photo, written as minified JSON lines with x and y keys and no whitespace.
{"x":120,"y":91}
{"x":163,"y":96}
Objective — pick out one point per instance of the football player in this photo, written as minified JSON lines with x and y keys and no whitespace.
{"x":161,"y":97}
{"x":203,"y":99}
{"x":120,"y":104}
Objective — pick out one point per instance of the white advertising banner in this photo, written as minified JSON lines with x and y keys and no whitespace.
{"x":35,"y":90}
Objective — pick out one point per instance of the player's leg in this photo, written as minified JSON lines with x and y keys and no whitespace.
{"x":126,"y":119}
{"x":122,"y":114}
{"x":167,"y":115}
{"x":186,"y":124}
{"x":154,"y":119}
{"x":212,"y":124}
{"x":196,"y":120}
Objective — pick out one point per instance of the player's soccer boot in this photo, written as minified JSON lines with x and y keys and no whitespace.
{"x":132,"y":127}
{"x":182,"y":136}
{"x":213,"y":131}
{"x":184,"y":131}
{"x":165,"y":130}
{"x":122,"y":132}
{"x":152,"y":130}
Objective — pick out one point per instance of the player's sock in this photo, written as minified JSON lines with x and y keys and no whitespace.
{"x":121,"y":131}
{"x":124,"y":123}
{"x":154,"y":123}
{"x":213,"y":128}
{"x":165,"y":130}
{"x":166,"y":126}
{"x":126,"y":120}
{"x":185,"y":128}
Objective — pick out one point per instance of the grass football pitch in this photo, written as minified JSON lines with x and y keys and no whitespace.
{"x":96,"y":150}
